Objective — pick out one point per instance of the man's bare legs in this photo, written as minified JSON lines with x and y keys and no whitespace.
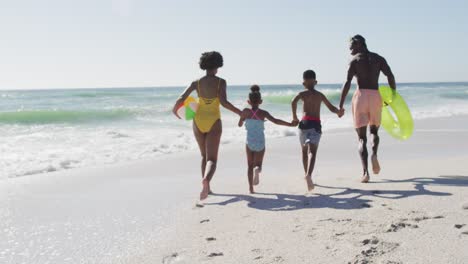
{"x":309,"y":154}
{"x":209,"y":146}
{"x":362,"y":135}
{"x":374,"y":130}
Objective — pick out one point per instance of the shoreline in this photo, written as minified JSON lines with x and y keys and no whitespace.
{"x":145,"y":211}
{"x":233,"y":145}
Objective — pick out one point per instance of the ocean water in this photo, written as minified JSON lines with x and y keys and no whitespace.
{"x":49,"y":130}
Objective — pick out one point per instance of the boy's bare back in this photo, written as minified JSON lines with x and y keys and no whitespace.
{"x":312,"y":100}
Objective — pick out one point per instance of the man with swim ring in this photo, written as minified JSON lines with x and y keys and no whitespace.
{"x":366,"y":103}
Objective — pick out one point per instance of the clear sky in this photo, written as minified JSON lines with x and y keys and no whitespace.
{"x":126,"y":43}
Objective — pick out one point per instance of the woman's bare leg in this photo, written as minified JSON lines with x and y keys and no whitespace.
{"x":200,"y":137}
{"x":212,"y":140}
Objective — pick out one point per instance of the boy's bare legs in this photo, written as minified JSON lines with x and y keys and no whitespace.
{"x":311,"y":157}
{"x":257,"y":166}
{"x":374,"y":130}
{"x":362,"y":134}
{"x":209,"y":146}
{"x":305,"y":157}
{"x":250,"y":168}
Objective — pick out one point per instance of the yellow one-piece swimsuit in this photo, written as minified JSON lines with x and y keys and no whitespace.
{"x":208,"y":111}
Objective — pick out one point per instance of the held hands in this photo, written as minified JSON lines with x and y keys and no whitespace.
{"x":340,"y":112}
{"x":295,"y":121}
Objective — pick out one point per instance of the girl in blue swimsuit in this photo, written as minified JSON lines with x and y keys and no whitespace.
{"x":254,"y":119}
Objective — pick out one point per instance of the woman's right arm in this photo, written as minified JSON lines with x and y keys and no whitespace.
{"x":182,"y":97}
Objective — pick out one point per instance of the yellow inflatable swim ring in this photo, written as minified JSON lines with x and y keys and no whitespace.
{"x":400,"y":124}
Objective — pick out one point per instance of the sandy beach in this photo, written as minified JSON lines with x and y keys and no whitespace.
{"x":146,"y":211}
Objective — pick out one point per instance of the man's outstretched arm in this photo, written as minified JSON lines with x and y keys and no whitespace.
{"x":347,"y":85}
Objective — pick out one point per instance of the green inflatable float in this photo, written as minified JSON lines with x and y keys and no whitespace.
{"x":401,"y":127}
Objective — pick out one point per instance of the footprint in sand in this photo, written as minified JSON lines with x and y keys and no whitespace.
{"x":204,"y":221}
{"x":171,"y":258}
{"x":398,"y":226}
{"x":465,"y":206}
{"x":261,"y":252}
{"x":336,"y":220}
{"x":465,"y":233}
{"x":403,"y":223}
{"x":419,"y":219}
{"x":459,"y":226}
{"x":372,"y":241}
{"x":215,"y":254}
{"x":375,"y":249}
{"x":210,"y":239}
{"x":297,"y":228}
{"x":278,"y":259}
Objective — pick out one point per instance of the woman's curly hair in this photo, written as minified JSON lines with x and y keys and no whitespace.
{"x":211,"y":60}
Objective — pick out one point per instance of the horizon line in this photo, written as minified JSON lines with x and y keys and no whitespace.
{"x":179,"y":86}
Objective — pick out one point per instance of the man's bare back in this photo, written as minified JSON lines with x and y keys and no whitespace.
{"x":366,"y":66}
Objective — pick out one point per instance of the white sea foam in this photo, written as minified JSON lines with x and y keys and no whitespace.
{"x":65,"y":129}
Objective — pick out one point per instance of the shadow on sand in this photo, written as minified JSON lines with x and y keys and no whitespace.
{"x":343,"y":198}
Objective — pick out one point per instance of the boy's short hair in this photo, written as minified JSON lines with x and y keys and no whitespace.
{"x":309,"y":74}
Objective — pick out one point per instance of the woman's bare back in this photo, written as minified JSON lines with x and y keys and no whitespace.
{"x":208,"y":86}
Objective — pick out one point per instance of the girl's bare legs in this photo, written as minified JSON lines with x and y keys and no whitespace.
{"x":257,"y":166}
{"x":250,"y":167}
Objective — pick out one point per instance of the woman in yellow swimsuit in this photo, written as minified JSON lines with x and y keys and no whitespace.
{"x":207,"y":122}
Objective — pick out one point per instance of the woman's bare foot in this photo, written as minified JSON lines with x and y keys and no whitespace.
{"x":251,"y":189}
{"x":365,"y":178}
{"x":256,"y":179}
{"x":310,"y":183}
{"x":375,"y":164}
{"x":205,"y":189}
